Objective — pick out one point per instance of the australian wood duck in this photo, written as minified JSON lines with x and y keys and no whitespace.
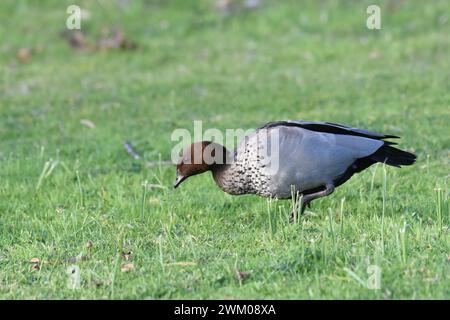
{"x":309,"y":158}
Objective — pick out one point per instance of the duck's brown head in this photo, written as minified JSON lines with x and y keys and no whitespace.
{"x":200,"y":157}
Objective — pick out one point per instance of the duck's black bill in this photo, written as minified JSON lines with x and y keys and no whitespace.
{"x":178,"y":181}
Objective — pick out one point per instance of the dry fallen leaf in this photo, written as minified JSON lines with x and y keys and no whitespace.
{"x":24,"y":55}
{"x":34,"y":264}
{"x":97,"y":283}
{"x":127,"y":267}
{"x":113,"y":38}
{"x":241,"y":275}
{"x":225,"y":6}
{"x":77,"y":40}
{"x":375,"y":54}
{"x":87,"y":123}
{"x":35,"y":267}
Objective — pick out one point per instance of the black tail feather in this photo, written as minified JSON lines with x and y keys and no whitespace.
{"x":385,"y":154}
{"x":393,"y":157}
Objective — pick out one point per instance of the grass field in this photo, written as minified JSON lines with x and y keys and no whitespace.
{"x":66,"y":181}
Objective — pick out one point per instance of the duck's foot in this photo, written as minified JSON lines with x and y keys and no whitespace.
{"x":294,"y":212}
{"x":306,"y":200}
{"x":293,"y":218}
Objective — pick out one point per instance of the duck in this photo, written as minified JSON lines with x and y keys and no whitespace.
{"x":287,"y":159}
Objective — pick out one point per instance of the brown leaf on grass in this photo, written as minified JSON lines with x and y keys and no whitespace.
{"x":34,"y":267}
{"x":35,"y":260}
{"x":241,"y":275}
{"x":126,"y":267}
{"x":225,"y":6}
{"x":77,"y":40}
{"x":34,"y":264}
{"x":114,"y":38}
{"x":111,"y":38}
{"x":89,"y":244}
{"x":97,"y":283}
{"x":24,"y":54}
{"x":375,"y":54}
{"x":87,"y":123}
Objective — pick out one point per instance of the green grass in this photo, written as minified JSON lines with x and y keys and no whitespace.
{"x":63,"y":184}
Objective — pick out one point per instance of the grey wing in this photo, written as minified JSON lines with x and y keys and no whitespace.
{"x":328,"y":127}
{"x":309,"y":159}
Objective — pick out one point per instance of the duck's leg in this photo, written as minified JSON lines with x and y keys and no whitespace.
{"x":294,"y":212}
{"x":303,"y":207}
{"x":297,"y":201}
{"x":306,"y":199}
{"x":329,"y":188}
